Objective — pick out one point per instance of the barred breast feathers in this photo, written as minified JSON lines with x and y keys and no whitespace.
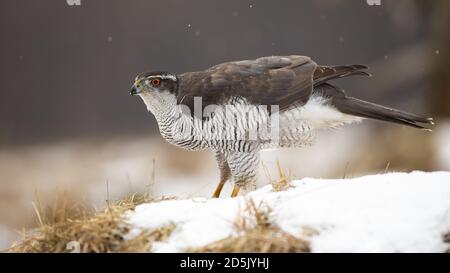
{"x":237,"y":125}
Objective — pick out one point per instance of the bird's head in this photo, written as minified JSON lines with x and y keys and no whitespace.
{"x":158,"y":90}
{"x":154,"y":83}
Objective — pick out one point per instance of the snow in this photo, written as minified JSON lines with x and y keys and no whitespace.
{"x":394,"y":212}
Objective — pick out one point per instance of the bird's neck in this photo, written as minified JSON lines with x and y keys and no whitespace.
{"x":171,"y":120}
{"x":162,"y":105}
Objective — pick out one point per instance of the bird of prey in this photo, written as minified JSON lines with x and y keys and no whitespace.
{"x":234,"y":108}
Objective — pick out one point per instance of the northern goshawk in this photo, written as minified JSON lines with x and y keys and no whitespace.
{"x":238,"y":108}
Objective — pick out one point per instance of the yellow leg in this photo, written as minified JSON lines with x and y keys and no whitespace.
{"x":235,"y":191}
{"x":218,"y":190}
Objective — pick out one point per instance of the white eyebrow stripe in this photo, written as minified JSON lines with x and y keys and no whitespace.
{"x":164,"y":77}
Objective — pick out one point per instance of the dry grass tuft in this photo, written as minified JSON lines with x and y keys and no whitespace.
{"x":283,"y":182}
{"x":68,"y":227}
{"x":257,"y":233}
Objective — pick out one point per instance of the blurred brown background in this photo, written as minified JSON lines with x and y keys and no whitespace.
{"x":68,"y":123}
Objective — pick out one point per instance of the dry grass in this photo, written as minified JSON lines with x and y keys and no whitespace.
{"x":257,"y":233}
{"x":68,"y":227}
{"x":283,"y":182}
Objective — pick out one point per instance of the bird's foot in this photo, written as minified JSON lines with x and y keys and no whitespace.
{"x":218,"y":190}
{"x":235,"y":191}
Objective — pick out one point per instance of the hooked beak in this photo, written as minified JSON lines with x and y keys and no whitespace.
{"x":134,"y":91}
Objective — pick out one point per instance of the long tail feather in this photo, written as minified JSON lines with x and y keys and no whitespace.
{"x":360,"y":108}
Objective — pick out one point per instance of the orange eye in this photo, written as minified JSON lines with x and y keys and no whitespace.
{"x":156,"y":82}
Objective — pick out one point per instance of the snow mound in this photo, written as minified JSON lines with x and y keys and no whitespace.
{"x":394,"y":212}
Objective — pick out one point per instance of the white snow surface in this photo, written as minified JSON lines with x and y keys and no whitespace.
{"x":394,"y":212}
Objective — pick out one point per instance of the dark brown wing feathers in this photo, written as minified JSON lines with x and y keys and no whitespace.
{"x":286,"y":81}
{"x":273,"y":80}
{"x":326,"y":73}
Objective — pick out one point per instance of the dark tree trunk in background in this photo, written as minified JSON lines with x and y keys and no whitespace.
{"x":440,"y":98}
